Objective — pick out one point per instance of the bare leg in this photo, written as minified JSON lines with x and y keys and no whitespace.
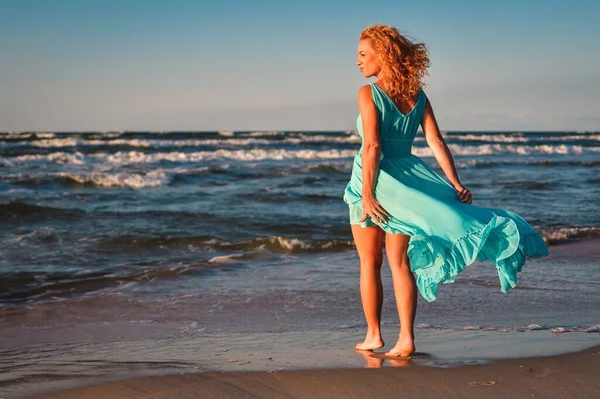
{"x":405,"y":290}
{"x":369,"y":246}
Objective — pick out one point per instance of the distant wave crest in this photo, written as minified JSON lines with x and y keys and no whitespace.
{"x":258,"y":154}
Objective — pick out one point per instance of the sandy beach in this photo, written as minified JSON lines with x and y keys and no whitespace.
{"x":69,"y":354}
{"x":564,"y":376}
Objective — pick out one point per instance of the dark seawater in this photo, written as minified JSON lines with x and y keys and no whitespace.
{"x":209,"y":226}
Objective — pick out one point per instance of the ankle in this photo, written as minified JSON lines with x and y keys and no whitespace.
{"x":373,"y":333}
{"x":406,"y":337}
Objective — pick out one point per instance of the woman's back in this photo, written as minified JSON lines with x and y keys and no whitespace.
{"x":397,"y":130}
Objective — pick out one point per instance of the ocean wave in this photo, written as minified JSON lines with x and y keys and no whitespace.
{"x":18,"y":287}
{"x":240,"y":155}
{"x":557,"y":235}
{"x":519,"y":138}
{"x":341,"y":169}
{"x":18,"y":210}
{"x":506,"y":137}
{"x":162,"y":143}
{"x":135,"y":180}
{"x":122,"y":179}
{"x":263,"y":139}
{"x":302,"y":139}
{"x":76,"y":158}
{"x":477,"y":163}
{"x":495,"y":149}
{"x":26,"y":135}
{"x":291,"y":245}
{"x":255,"y":154}
{"x":254,"y":171}
{"x":138,"y":143}
{"x":43,"y":235}
{"x":237,"y":257}
{"x":280,"y":244}
{"x":275,"y":244}
{"x":264,"y":134}
{"x":15,"y":135}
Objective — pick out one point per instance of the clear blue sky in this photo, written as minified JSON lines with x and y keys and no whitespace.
{"x":274,"y":65}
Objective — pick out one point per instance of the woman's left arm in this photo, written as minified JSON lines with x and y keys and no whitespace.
{"x":442,"y":153}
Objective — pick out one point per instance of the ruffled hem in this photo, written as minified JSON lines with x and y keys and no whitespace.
{"x":434,"y":262}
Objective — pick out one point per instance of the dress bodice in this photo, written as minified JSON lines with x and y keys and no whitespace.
{"x":397,"y":131}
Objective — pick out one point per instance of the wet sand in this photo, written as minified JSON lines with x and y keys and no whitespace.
{"x":564,"y":376}
{"x":43,"y":352}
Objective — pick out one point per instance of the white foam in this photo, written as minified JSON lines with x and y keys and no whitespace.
{"x":558,"y":330}
{"x":565,"y":233}
{"x":76,"y":158}
{"x":255,"y":134}
{"x":594,"y":328}
{"x":111,"y":134}
{"x":133,"y":157}
{"x":498,"y":143}
{"x":140,"y":143}
{"x":290,"y":243}
{"x":489,"y":137}
{"x":494,"y":149}
{"x":121,"y":179}
{"x":471,"y":328}
{"x":502,"y":138}
{"x":73,"y":141}
{"x":534,"y":327}
{"x":323,"y":138}
{"x":45,"y":135}
{"x":16,"y":135}
{"x":60,"y":142}
{"x":225,"y":258}
{"x":258,"y":154}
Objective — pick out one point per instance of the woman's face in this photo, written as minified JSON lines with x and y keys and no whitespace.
{"x":367,"y":61}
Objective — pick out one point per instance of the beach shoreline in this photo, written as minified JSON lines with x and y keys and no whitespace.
{"x":44,"y":351}
{"x":567,"y":375}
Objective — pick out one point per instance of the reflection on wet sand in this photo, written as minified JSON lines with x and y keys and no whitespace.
{"x":378,"y":359}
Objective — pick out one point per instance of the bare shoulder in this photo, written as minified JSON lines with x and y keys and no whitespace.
{"x":366,"y":89}
{"x":428,"y":111}
{"x":365,"y":94}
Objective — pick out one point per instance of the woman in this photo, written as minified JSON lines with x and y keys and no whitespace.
{"x":431,"y":229}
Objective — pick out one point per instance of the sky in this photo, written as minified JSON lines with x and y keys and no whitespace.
{"x":103,"y":65}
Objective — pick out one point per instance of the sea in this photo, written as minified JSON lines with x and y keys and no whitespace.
{"x":235,"y":238}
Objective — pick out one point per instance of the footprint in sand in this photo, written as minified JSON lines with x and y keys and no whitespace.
{"x":476,"y":383}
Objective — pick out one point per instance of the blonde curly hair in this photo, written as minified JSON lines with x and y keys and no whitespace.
{"x":404,"y":63}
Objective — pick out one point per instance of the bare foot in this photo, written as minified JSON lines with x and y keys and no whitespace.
{"x":404,"y":348}
{"x":370,"y":344}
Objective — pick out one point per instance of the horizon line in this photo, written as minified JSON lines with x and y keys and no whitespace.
{"x":162,"y":131}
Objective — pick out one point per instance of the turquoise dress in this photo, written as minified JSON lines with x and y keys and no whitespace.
{"x":445,"y":234}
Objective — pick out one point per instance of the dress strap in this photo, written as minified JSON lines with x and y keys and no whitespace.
{"x":378,"y":99}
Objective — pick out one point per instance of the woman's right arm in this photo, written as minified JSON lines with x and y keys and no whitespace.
{"x":371,"y":152}
{"x":442,"y":153}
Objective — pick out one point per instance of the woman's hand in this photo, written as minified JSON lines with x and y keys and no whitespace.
{"x":463,"y":194}
{"x":372,"y":208}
